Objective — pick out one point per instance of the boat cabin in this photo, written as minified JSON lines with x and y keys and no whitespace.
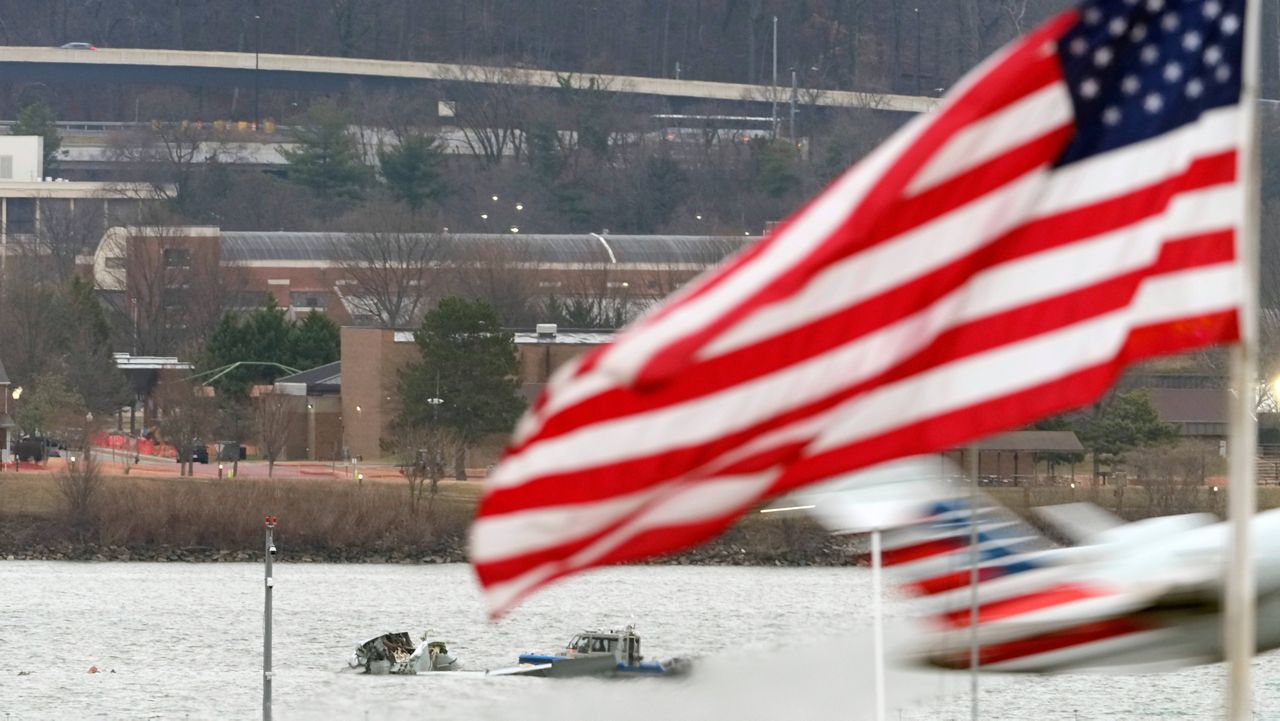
{"x":624,"y":644}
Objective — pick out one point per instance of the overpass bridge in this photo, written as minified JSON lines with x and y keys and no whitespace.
{"x":310,"y":72}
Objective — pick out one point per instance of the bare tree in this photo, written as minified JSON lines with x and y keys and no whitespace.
{"x":421,"y":451}
{"x":188,"y":414}
{"x":63,"y":231}
{"x":492,"y":112}
{"x":274,"y":414}
{"x":499,"y":270}
{"x":80,"y":485}
{"x":171,"y":288}
{"x":390,"y":272}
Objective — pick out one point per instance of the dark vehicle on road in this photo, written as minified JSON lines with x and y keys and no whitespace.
{"x":199,"y":454}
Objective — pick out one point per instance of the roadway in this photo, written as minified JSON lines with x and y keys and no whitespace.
{"x":192,"y":67}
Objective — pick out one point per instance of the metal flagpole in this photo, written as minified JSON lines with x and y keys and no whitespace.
{"x":270,"y":522}
{"x":877,"y":613}
{"x":1240,"y":602}
{"x":973,"y":582}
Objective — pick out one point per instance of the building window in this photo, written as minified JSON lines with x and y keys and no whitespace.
{"x":6,"y":167}
{"x":308,"y":299}
{"x":177,"y":258}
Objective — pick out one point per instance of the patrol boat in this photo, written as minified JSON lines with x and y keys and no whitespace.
{"x":623,"y":646}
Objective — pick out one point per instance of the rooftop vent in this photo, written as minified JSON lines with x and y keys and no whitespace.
{"x":546,"y":330}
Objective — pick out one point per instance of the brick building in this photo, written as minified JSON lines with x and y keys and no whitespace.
{"x":372,"y":359}
{"x":311,"y":271}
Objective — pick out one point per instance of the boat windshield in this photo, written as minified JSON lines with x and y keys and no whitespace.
{"x":580,"y":644}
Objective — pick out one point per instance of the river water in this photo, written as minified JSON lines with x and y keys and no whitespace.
{"x":183,"y":641}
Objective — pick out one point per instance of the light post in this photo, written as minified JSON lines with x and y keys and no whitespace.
{"x":773,"y":114}
{"x":257,"y":49}
{"x":917,"y":12}
{"x":435,"y":403}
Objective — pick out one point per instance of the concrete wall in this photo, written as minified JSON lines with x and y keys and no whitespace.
{"x":22,"y":156}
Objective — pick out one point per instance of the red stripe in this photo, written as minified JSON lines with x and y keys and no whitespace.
{"x":949,"y":581}
{"x":633,"y":474}
{"x":1058,"y":640}
{"x":803,"y":342}
{"x":920,"y":551}
{"x":1019,"y":605}
{"x":652,"y":542}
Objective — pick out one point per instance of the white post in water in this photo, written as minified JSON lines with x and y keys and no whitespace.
{"x":270,"y":554}
{"x":1240,"y":602}
{"x":877,"y":623}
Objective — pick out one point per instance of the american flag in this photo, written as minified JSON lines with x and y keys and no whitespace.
{"x":1072,"y":207}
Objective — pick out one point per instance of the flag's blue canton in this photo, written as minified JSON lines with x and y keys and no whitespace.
{"x":1139,"y":68}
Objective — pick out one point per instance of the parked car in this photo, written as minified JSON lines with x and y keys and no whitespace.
{"x":199,"y":454}
{"x":77,"y":46}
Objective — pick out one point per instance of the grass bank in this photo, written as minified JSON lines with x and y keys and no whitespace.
{"x":195,"y":520}
{"x":136,"y":518}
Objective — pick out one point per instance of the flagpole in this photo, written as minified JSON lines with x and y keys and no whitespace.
{"x":1240,"y":602}
{"x":878,"y":622}
{"x":973,"y":582}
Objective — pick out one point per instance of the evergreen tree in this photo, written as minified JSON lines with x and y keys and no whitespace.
{"x":469,"y":362}
{"x":313,"y":342}
{"x":414,"y":170}
{"x":777,"y":173}
{"x":91,"y":371}
{"x":1126,"y":422}
{"x":264,"y":336}
{"x":38,"y":119}
{"x":326,"y":159}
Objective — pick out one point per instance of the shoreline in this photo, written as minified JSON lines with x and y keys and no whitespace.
{"x":740,"y":546}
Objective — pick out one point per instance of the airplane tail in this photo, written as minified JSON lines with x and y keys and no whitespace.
{"x":1040,"y":606}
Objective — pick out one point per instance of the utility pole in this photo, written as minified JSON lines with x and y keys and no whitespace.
{"x":257,"y":49}
{"x":917,"y":11}
{"x":773,"y":95}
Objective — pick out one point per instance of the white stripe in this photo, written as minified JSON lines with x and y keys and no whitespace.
{"x":1007,"y":286}
{"x":690,"y":504}
{"x":1017,"y":124}
{"x":1034,"y":196}
{"x":1014,"y":367}
{"x":1126,"y":169}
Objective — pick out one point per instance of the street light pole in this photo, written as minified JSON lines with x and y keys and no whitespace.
{"x":917,"y":11}
{"x":773,"y":115}
{"x":435,"y":402}
{"x":793,"y":104}
{"x":257,"y":48}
